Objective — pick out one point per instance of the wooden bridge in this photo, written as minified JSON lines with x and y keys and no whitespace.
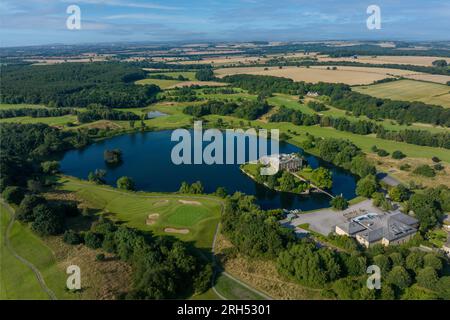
{"x":312,"y":185}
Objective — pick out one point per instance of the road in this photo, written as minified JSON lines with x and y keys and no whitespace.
{"x":10,"y":248}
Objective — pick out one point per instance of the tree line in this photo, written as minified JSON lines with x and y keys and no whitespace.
{"x":249,"y":110}
{"x":363,"y":127}
{"x":342,"y":97}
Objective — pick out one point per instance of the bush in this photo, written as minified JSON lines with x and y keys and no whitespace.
{"x":425,"y":170}
{"x":50,"y":167}
{"x":92,"y":240}
{"x":405,"y":167}
{"x":398,"y":155}
{"x":47,"y":222}
{"x":339,"y":203}
{"x":427,"y":278}
{"x":13,"y":194}
{"x":71,"y":237}
{"x":436,"y":159}
{"x":125,"y":183}
{"x":27,"y":205}
{"x":100,"y":257}
{"x":382,"y":153}
{"x":367,"y":186}
{"x":399,"y":277}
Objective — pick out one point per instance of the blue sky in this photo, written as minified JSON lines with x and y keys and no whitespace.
{"x":31,"y":22}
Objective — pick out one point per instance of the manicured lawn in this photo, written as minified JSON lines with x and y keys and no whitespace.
{"x":17,"y":280}
{"x":134,"y":208}
{"x":410,"y":90}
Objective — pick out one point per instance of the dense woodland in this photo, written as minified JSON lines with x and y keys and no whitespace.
{"x":76,"y":85}
{"x":249,"y":110}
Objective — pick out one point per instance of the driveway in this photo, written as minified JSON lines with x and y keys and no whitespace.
{"x":324,"y":221}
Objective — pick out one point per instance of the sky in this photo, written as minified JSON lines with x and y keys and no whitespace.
{"x":36,"y":22}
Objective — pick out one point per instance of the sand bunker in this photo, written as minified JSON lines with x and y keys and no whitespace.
{"x":152,"y":218}
{"x":196,"y":203}
{"x":161,"y":202}
{"x":179,"y":231}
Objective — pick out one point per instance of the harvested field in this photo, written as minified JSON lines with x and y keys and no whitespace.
{"x":413,"y":60}
{"x":348,"y":75}
{"x":179,"y":231}
{"x":410,"y":90}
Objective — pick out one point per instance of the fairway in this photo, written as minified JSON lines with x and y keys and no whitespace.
{"x":166,"y":210}
{"x":410,"y":90}
{"x":17,"y":280}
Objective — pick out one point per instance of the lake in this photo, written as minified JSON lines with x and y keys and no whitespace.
{"x":147,"y":159}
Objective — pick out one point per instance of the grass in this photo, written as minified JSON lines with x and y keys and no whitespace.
{"x":162,"y":83}
{"x":232,"y":290}
{"x":410,"y":90}
{"x":18,"y":281}
{"x":20,"y":106}
{"x":51,"y":121}
{"x":133,"y":208}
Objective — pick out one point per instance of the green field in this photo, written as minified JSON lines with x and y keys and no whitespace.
{"x":200,"y":217}
{"x":162,"y":83}
{"x":51,"y":121}
{"x":20,"y":106}
{"x":410,"y":90}
{"x":17,"y":280}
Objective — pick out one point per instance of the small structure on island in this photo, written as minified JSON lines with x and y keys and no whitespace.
{"x":290,"y":162}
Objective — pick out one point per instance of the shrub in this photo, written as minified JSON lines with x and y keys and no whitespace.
{"x":339,"y":203}
{"x":405,"y":167}
{"x":47,"y":222}
{"x":436,"y":159}
{"x":367,"y":186}
{"x":92,"y":240}
{"x":100,"y":257}
{"x":427,"y":278}
{"x":399,"y":277}
{"x":13,"y":194}
{"x":382,"y":153}
{"x":71,"y":237}
{"x":425,"y":170}
{"x":125,"y":183}
{"x":398,"y":155}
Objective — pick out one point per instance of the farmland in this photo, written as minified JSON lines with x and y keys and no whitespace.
{"x":410,"y":90}
{"x":348,"y":75}
{"x":413,"y":60}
